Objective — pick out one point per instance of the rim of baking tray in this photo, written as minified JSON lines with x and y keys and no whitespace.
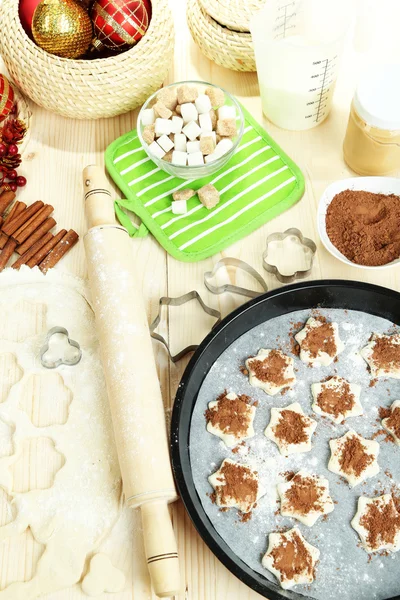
{"x":353,"y":295}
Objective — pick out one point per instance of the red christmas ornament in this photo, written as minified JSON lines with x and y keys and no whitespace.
{"x":6,"y":97}
{"x":26,"y":10}
{"x":120,"y":24}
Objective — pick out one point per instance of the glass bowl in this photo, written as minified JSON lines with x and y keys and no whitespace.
{"x":194,"y":172}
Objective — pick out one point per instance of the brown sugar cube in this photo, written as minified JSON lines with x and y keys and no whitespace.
{"x":178,"y":110}
{"x":168,"y":97}
{"x":226,"y":127}
{"x":149,"y":134}
{"x":217,"y":96}
{"x":208,"y":196}
{"x":187,"y":94}
{"x":207,"y":144}
{"x":183,"y":194}
{"x":168,"y":157}
{"x":162,"y":111}
{"x":213,"y":116}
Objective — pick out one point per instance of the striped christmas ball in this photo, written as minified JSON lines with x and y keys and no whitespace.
{"x":6,"y":97}
{"x":119,"y":24}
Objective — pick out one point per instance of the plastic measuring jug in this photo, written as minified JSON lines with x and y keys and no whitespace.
{"x":297,"y":47}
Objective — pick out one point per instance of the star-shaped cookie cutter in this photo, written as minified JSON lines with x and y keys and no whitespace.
{"x":54,"y":363}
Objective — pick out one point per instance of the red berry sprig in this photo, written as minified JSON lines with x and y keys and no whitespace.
{"x":11,"y":134}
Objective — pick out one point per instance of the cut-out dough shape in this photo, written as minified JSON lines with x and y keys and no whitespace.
{"x":291,"y":429}
{"x":45,"y":399}
{"x":21,"y":553}
{"x":382,"y":353}
{"x":37,"y":465}
{"x":354,"y":458}
{"x":236,"y":486}
{"x":102,"y":577}
{"x":7,"y":510}
{"x":271,"y":370}
{"x":377,"y":522}
{"x":336,"y":399}
{"x":6,"y":439}
{"x":22,"y":320}
{"x":305,"y":498}
{"x":291,"y":558}
{"x":230,"y":418}
{"x":319,"y":342}
{"x":392,"y":422}
{"x":10,"y":374}
{"x":60,"y":349}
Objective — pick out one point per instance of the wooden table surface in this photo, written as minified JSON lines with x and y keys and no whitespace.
{"x":59,"y":149}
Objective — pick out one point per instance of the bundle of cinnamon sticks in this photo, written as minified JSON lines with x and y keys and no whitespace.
{"x":26,"y":231}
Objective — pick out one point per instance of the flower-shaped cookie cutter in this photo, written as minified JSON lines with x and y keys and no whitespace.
{"x":228,"y":287}
{"x":306,"y":246}
{"x":71,"y":356}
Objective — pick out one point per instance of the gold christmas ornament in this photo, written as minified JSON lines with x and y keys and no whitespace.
{"x":62,"y":27}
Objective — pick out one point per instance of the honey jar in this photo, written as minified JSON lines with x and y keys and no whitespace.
{"x":372,"y":142}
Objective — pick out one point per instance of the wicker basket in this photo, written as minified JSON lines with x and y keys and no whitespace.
{"x":234,"y":14}
{"x":230,"y":49}
{"x":88,"y":89}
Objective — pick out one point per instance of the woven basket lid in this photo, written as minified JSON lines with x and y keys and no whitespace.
{"x":234,"y":14}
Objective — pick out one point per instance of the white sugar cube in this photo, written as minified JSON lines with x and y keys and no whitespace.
{"x":180,"y":142}
{"x":163,"y":127}
{"x":210,"y":134}
{"x":148,"y":116}
{"x":179,"y":158}
{"x":223,"y":146}
{"x":191,"y":130}
{"x":203,"y":104}
{"x":156,"y":150}
{"x":195,"y":159}
{"x":189,"y":112}
{"x":227,"y":112}
{"x":176,"y":124}
{"x":165,"y":142}
{"x":211,"y":157}
{"x":205,"y":122}
{"x":179,"y":207}
{"x":193,"y":147}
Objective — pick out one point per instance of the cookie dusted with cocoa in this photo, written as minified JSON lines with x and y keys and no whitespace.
{"x":382,"y":353}
{"x":319,"y":342}
{"x":392,"y":422}
{"x":354,"y":458}
{"x":231,"y":417}
{"x":377,"y":522}
{"x":336,"y":399}
{"x":271,"y":371}
{"x":236,"y":486}
{"x":305,"y":498}
{"x":291,"y":429}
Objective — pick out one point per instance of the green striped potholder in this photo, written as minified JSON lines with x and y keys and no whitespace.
{"x":256,"y":185}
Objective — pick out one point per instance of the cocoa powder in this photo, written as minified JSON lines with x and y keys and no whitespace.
{"x":304,"y":495}
{"x":336,"y":401}
{"x":354,"y":458}
{"x":230,"y":416}
{"x":320,"y":339}
{"x":271,"y":369}
{"x":393,"y":421}
{"x":365,"y":227}
{"x":239,"y":483}
{"x":291,"y":557}
{"x":382,"y":521}
{"x":291,"y":427}
{"x":386,"y":353}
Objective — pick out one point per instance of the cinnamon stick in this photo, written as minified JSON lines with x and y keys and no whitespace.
{"x":6,"y":253}
{"x":5,"y":200}
{"x":1,"y":221}
{"x":32,"y":224}
{"x":22,"y":260}
{"x":15,"y":211}
{"x":44,"y":250}
{"x":22,"y":218}
{"x":68,"y":241}
{"x":36,"y":236}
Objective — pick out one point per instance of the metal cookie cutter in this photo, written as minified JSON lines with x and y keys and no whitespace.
{"x":228,"y":287}
{"x":167,"y":301}
{"x":71,"y":356}
{"x":306,"y":246}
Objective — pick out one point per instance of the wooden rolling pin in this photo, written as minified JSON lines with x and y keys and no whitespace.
{"x":133,"y":388}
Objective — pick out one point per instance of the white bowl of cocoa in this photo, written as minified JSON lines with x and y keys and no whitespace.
{"x":359,"y":221}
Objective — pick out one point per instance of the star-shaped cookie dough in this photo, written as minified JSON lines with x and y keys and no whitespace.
{"x":336,"y":399}
{"x":291,"y":558}
{"x":377,"y":522}
{"x":271,"y":370}
{"x":354,"y":458}
{"x":319,"y":342}
{"x":382,"y":353}
{"x":236,"y":486}
{"x":231,"y":417}
{"x":290,"y":429}
{"x":305,"y":498}
{"x":392,"y":422}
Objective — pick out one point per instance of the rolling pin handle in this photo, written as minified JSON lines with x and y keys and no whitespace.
{"x":99,"y":206}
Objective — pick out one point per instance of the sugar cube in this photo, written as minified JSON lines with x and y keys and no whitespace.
{"x":180,"y":141}
{"x":187,"y":94}
{"x":211,"y":157}
{"x":205,"y":122}
{"x":216,"y":95}
{"x":207,"y":144}
{"x":226,"y":127}
{"x":176,"y":124}
{"x":203,"y":104}
{"x":148,"y":134}
{"x":156,"y":150}
{"x":227,"y":112}
{"x":195,"y":159}
{"x":178,"y":109}
{"x":208,"y":196}
{"x":168,"y":157}
{"x":179,"y":207}
{"x":179,"y":158}
{"x":168,"y":97}
{"x":148,"y":117}
{"x":193,"y":147}
{"x":162,"y":111}
{"x":185,"y":194}
{"x":163,"y":126}
{"x":189,"y":112}
{"x":192,"y":130}
{"x":165,"y":143}
{"x":209,"y":134}
{"x":213,"y":116}
{"x":223,"y":146}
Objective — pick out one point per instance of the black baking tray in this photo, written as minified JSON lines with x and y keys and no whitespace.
{"x":352,"y":295}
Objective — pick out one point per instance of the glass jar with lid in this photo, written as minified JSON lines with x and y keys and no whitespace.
{"x":372,"y":142}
